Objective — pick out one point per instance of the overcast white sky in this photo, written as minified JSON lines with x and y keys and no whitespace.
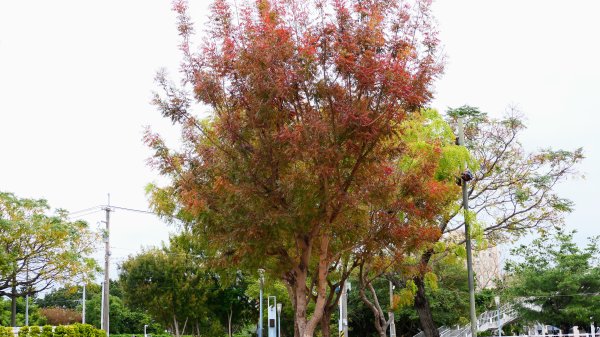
{"x":76,"y":79}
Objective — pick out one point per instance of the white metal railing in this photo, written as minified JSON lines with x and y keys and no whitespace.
{"x":486,"y":321}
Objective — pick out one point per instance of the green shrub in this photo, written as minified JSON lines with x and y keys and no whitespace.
{"x":100,"y":333}
{"x":60,"y":331}
{"x":5,"y":332}
{"x":89,"y":330}
{"x":47,"y":331}
{"x":34,"y":331}
{"x":76,"y":329}
{"x":24,"y":331}
{"x":85,"y":330}
{"x":70,"y":331}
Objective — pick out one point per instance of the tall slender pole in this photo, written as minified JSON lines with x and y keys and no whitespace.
{"x":27,"y":296}
{"x":279,"y":306}
{"x":102,"y":307}
{"x":343,"y":323}
{"x":499,"y":324}
{"x":391,"y":312}
{"x":260,"y":307}
{"x":106,"y":300}
{"x":465,"y":194}
{"x":497,"y":300}
{"x":27,"y":310}
{"x":83,"y":306}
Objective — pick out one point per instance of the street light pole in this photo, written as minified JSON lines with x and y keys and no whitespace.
{"x":391,"y":312}
{"x":261,"y":280}
{"x":83,"y":305}
{"x":465,"y":193}
{"x":343,"y":303}
{"x":279,"y":305}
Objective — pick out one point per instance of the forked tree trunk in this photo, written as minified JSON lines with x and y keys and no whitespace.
{"x":423,"y":309}
{"x":303,"y":325}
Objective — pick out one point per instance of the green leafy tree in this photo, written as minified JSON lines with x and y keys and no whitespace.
{"x":68,"y":297}
{"x":512,"y":193}
{"x":429,"y":165}
{"x":38,"y":249}
{"x":174,"y":286}
{"x":36,"y":316}
{"x":555,"y":281}
{"x":123,"y":320}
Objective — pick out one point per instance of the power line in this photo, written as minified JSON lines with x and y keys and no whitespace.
{"x":133,"y":210}
{"x":83,"y":215}
{"x":84,"y":210}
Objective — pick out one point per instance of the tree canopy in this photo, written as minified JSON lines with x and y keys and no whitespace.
{"x":513,"y":192}
{"x":38,"y":249}
{"x":552,"y":280}
{"x":306,"y":102}
{"x":174,"y":285}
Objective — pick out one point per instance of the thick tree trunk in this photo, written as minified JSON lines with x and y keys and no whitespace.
{"x":423,"y":309}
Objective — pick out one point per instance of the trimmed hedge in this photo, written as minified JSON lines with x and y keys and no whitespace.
{"x":47,"y":331}
{"x":6,"y":331}
{"x":75,"y":330}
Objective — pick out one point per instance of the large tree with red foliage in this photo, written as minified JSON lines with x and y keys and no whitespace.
{"x":307,"y":101}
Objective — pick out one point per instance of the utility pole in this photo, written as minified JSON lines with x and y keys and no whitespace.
{"x":83,"y":306}
{"x":391,"y":312}
{"x":465,"y":193}
{"x":105,"y":300}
